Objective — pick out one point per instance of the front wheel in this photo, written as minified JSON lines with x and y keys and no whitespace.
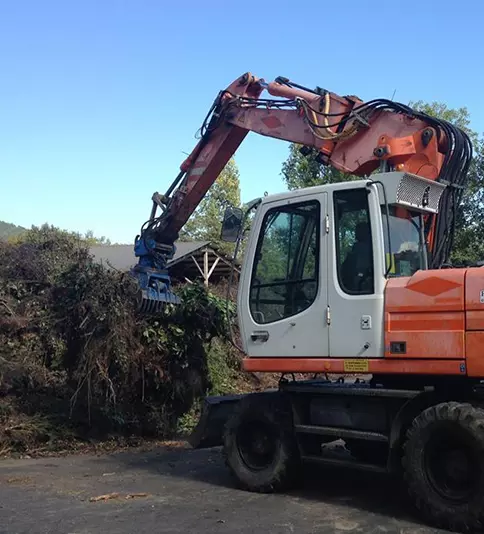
{"x":260,"y":448}
{"x":444,"y":465}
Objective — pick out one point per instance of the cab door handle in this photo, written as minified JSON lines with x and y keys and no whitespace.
{"x":260,"y":335}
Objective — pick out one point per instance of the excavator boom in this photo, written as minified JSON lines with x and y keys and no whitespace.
{"x":355,"y":137}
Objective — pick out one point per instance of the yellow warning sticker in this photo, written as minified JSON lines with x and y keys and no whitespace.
{"x":356,"y":366}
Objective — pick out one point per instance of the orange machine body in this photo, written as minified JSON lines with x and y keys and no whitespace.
{"x":439,"y":315}
{"x":434,"y":325}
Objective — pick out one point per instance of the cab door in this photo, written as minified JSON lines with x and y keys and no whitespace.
{"x":356,"y":274}
{"x":283,"y":294}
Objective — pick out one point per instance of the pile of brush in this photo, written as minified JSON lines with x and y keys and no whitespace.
{"x":74,"y":351}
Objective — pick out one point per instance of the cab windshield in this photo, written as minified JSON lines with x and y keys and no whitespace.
{"x":406,"y":250}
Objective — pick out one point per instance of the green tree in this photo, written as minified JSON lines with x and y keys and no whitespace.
{"x":469,"y":234}
{"x":469,"y":239}
{"x":206,"y":222}
{"x":306,"y":171}
{"x":8,"y":230}
{"x":39,"y":234}
{"x":459,"y":117}
{"x":92,"y":240}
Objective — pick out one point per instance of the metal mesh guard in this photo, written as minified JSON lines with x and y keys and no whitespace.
{"x":418,"y":193}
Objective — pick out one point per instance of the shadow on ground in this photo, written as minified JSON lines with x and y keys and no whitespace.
{"x":370,"y":492}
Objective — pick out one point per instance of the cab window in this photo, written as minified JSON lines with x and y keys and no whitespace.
{"x":406,"y":250}
{"x":354,"y":249}
{"x":285,"y":273}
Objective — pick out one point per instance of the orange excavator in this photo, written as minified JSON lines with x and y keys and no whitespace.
{"x":352,"y":279}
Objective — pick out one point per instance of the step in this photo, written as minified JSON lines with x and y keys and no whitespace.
{"x":339,"y":432}
{"x":334,"y":462}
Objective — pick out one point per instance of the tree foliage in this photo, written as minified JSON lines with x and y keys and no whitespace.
{"x":48,"y":231}
{"x":469,"y":243}
{"x":8,"y":230}
{"x":459,"y":117}
{"x":306,"y":171}
{"x":91,"y":240}
{"x":206,"y":222}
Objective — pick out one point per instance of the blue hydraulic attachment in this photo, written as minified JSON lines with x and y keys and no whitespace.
{"x":152,"y":275}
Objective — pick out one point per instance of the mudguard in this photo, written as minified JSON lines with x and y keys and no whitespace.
{"x":210,"y":427}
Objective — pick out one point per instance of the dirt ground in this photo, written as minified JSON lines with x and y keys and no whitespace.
{"x":181,"y":490}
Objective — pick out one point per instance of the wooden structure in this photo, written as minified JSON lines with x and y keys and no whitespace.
{"x":193,"y":260}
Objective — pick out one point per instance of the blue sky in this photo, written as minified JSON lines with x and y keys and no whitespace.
{"x":99,"y":100}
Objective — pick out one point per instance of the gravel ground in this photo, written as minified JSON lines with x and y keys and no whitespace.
{"x":181,"y":490}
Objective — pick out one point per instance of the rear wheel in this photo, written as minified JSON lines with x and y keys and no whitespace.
{"x":260,"y":448}
{"x":444,"y":465}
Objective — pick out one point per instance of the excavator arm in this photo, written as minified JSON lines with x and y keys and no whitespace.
{"x":355,"y":137}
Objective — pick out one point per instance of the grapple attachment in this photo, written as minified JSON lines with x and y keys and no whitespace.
{"x":153,"y":301}
{"x":153,"y":279}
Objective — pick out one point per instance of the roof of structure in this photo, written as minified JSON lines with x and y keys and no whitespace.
{"x":187,"y":261}
{"x":122,"y":257}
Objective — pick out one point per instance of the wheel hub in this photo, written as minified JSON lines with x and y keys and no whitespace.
{"x":452,"y":467}
{"x":457,"y":466}
{"x":256,"y":444}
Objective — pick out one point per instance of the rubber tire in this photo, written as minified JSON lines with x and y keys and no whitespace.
{"x":468,"y":421}
{"x":284,"y":471}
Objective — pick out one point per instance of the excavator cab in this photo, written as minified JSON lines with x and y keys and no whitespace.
{"x":317,"y":264}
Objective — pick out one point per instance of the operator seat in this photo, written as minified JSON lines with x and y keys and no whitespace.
{"x":357,"y":268}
